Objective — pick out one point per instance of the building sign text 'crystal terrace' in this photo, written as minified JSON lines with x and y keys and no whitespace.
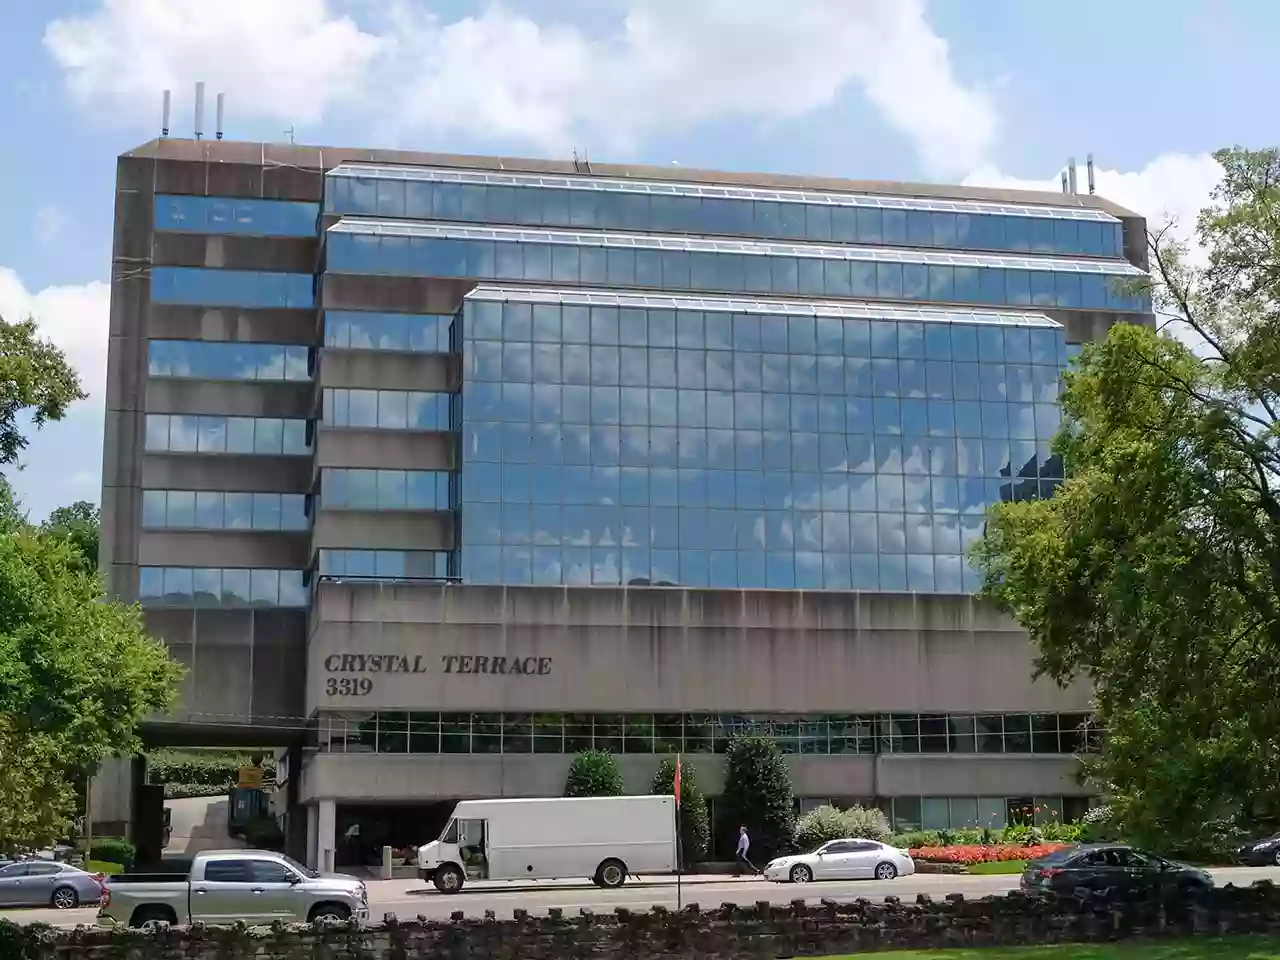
{"x":350,"y":674}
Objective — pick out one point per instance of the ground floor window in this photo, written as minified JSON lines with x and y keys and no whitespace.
{"x":702,"y":733}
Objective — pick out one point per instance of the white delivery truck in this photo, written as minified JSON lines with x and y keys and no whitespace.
{"x":605,"y":839}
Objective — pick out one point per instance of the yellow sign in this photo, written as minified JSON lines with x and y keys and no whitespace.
{"x":250,"y":778}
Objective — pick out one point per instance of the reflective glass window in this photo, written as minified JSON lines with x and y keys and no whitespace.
{"x":205,"y":360}
{"x":221,"y":587}
{"x":246,"y":217}
{"x":177,"y":433}
{"x":200,"y":286}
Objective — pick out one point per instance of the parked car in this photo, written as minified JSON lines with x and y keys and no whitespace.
{"x":1261,"y":853}
{"x":852,"y":859}
{"x":256,"y":886}
{"x":1114,"y":869}
{"x":36,"y":883}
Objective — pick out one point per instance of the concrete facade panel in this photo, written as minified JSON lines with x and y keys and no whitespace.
{"x":388,"y":449}
{"x":283,"y":254}
{"x":246,"y":473}
{"x":382,"y":530}
{"x":394,"y":294}
{"x":977,"y":776}
{"x":174,"y":322}
{"x":241,"y":665}
{"x":384,"y":370}
{"x":269,"y":550}
{"x":233,"y":398}
{"x":401,"y":777}
{"x":612,"y":662}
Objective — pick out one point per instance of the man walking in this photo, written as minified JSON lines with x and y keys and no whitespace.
{"x":744,"y":846}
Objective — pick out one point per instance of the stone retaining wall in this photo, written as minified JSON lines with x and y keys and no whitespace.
{"x":760,"y":931}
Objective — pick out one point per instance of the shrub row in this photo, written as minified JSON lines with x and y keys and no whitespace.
{"x":202,"y":768}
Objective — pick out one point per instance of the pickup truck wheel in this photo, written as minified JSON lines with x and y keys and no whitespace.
{"x":449,"y":879}
{"x":329,"y":913}
{"x":145,"y":917}
{"x":611,"y":874}
{"x":65,"y":898}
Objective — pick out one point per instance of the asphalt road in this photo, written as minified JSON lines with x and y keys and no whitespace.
{"x":412,"y":898}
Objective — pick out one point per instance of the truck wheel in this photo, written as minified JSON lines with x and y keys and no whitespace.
{"x":449,"y":879}
{"x":146,"y":917}
{"x":329,"y":913}
{"x":611,"y":874}
{"x":65,"y":898}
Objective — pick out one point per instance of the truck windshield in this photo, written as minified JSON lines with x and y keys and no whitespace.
{"x":450,"y":834}
{"x":305,"y":871}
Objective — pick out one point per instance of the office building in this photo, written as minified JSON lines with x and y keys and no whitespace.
{"x":437,"y":469}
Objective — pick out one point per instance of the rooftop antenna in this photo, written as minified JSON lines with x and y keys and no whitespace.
{"x":1089,"y":164}
{"x":222,"y":103}
{"x":1071,"y":173}
{"x":164,"y":114}
{"x":1064,"y":180}
{"x":199,"y":109}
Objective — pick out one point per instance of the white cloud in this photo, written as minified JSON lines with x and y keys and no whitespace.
{"x":74,"y":317}
{"x":283,"y":59}
{"x":671,"y":63}
{"x":50,"y":222}
{"x":1172,"y":187}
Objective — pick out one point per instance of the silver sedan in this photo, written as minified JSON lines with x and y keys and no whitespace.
{"x":37,"y":883}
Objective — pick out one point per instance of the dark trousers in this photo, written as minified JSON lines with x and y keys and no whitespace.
{"x":742,"y":860}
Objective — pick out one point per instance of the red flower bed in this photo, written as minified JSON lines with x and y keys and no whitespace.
{"x":982,"y":853}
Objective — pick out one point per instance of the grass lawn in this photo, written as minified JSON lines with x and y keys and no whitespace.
{"x":1206,"y":948}
{"x":998,"y":866}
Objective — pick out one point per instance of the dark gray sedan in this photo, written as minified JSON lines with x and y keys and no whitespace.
{"x":38,"y":883}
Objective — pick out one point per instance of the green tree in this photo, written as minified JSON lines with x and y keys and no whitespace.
{"x":1153,"y":572}
{"x":34,"y":377}
{"x":758,"y":796}
{"x":80,"y":525}
{"x":594,"y":773}
{"x":695,"y":824}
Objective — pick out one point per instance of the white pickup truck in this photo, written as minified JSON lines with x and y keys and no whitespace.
{"x":223,"y":887}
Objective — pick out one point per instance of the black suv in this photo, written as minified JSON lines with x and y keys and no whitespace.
{"x":1114,"y":870}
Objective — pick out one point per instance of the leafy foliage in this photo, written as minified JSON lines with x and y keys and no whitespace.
{"x":114,"y":850}
{"x":1154,"y":573}
{"x":695,"y":821}
{"x":35,"y":377}
{"x":80,"y":525}
{"x":212,"y":768}
{"x":76,"y":677}
{"x":831,"y":823}
{"x":594,"y":773}
{"x":758,"y":796}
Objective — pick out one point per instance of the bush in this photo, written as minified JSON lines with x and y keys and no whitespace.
{"x":114,"y":850}
{"x":829,"y":823}
{"x":264,"y":834}
{"x":179,"y":791}
{"x":758,"y":796}
{"x":218,"y":769}
{"x":695,"y":824}
{"x":594,"y":773}
{"x":1099,"y":824}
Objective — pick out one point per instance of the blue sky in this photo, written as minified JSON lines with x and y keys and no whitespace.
{"x":981,"y":91}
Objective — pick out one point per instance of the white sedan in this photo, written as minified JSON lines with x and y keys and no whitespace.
{"x":842,"y":860}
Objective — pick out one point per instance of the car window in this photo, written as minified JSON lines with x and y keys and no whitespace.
{"x":13,"y":870}
{"x":227,"y":871}
{"x":1097,"y":858}
{"x":1131,"y":858}
{"x":839,"y":846}
{"x":267,"y":871}
{"x":863,"y":846}
{"x":43,"y":869}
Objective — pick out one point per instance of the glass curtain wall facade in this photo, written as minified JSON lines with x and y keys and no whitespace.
{"x":729,"y":387}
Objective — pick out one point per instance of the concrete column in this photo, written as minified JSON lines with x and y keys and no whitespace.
{"x":326,"y":833}
{"x":313,"y":836}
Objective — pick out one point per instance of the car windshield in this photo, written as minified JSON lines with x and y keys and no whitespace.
{"x":305,"y":871}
